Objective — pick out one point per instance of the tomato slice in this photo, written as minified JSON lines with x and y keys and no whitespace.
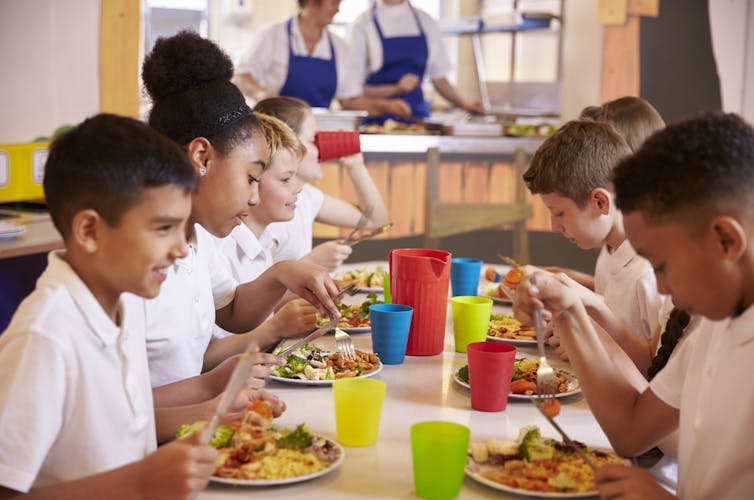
{"x":551,"y":406}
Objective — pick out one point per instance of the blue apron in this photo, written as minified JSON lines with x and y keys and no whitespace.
{"x":401,"y":55}
{"x":311,"y":79}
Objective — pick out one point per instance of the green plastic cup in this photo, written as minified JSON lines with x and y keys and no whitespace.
{"x":388,"y":299}
{"x":439,"y":453}
{"x":471,"y":319}
{"x":358,"y":409}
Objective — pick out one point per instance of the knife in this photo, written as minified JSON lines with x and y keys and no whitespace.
{"x":369,"y":234}
{"x":314,"y":335}
{"x":568,"y":441}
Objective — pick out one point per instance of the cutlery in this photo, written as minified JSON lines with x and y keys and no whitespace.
{"x":369,"y":234}
{"x":508,"y":260}
{"x":344,"y":344}
{"x":361,"y":224}
{"x":547,"y":383}
{"x":312,"y":336}
{"x":568,"y":441}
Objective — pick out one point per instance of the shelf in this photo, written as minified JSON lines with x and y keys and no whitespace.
{"x":475,"y":25}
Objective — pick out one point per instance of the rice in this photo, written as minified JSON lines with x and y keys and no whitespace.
{"x":288,"y":463}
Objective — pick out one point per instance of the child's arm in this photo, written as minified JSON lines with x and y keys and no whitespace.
{"x":618,"y":481}
{"x":294,"y":318}
{"x":583,"y":279}
{"x":177,"y":470}
{"x":337,"y":212}
{"x":329,"y":255}
{"x":632,"y":420}
{"x":255,"y":299}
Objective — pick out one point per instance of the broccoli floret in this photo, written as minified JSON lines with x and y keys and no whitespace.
{"x":371,"y":299}
{"x":297,"y":439}
{"x":533,"y":448}
{"x":463,"y":373}
{"x":221,"y":436}
{"x":296,"y":364}
{"x":187,"y":430}
{"x":517,"y":372}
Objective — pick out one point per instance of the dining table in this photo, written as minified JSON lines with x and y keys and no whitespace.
{"x":421,"y":389}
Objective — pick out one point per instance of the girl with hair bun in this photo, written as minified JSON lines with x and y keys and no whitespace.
{"x":196,"y":105}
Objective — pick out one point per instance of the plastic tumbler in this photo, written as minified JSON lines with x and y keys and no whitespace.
{"x":439,"y":453}
{"x":464,"y":276}
{"x":390,"y":326}
{"x":490,"y":368}
{"x":387,"y":297}
{"x":471,"y":319}
{"x":337,"y":143}
{"x":358,"y":409}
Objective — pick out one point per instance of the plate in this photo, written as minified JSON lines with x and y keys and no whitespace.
{"x":513,"y":341}
{"x":476,"y":476}
{"x":320,"y":383}
{"x":497,"y":300}
{"x":9,"y":230}
{"x":360,"y":329}
{"x":288,"y":480}
{"x":571,"y":378}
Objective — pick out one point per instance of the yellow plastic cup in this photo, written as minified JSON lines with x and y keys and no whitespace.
{"x":358,"y":409}
{"x":471,"y":319}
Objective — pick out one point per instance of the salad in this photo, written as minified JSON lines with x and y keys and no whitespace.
{"x":353,"y":316}
{"x":309,"y":362}
{"x":364,"y":277}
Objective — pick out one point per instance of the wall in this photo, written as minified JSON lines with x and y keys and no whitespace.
{"x":48,"y":56}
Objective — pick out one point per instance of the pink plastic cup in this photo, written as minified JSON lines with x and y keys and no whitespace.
{"x":490,"y":369}
{"x":337,"y":143}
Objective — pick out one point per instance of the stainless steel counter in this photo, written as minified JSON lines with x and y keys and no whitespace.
{"x":447,"y":145}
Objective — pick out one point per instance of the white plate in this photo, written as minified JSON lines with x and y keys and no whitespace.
{"x":288,"y":480}
{"x":320,"y":383}
{"x":513,"y":341}
{"x":572,"y":381}
{"x":497,"y":300}
{"x":9,"y":230}
{"x":476,"y":476}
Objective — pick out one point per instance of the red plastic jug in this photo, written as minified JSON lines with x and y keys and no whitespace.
{"x":419,"y":278}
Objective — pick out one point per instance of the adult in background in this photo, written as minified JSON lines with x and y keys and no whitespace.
{"x":301,"y":58}
{"x":396,"y":45}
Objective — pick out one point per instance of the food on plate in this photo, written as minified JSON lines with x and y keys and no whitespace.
{"x":491,"y":274}
{"x":255,"y":449}
{"x":513,"y":278}
{"x":537,"y":464}
{"x":530,"y":130}
{"x":309,"y":362}
{"x":503,"y":326}
{"x":551,"y":406}
{"x":353,"y":316}
{"x":364,"y":277}
{"x":392,"y":127}
{"x":524,"y":378}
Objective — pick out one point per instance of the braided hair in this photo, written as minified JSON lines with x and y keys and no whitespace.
{"x":674,"y":329}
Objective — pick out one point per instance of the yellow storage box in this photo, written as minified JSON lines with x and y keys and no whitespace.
{"x":22,"y":169}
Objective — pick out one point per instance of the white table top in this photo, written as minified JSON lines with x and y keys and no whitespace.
{"x":420,"y":389}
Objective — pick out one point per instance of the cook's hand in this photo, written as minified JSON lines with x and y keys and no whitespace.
{"x":625,"y":483}
{"x":407,"y":83}
{"x":294,"y":318}
{"x":398,"y":107}
{"x":310,"y":282}
{"x":476,"y":108}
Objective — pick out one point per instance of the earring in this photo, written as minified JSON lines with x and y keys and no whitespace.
{"x":202,"y":171}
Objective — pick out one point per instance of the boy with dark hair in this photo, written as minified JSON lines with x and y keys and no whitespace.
{"x":76,"y":407}
{"x":689,"y":209}
{"x":571,"y":172}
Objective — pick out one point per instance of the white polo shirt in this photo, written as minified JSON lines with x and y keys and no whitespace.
{"x":627,"y":282}
{"x":708,"y":380}
{"x":180,"y":320}
{"x":395,"y":20}
{"x":75,"y":398}
{"x":294,"y":237}
{"x":267,"y":58}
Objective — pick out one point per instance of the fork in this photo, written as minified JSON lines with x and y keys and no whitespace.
{"x":361,"y":224}
{"x":344,"y":344}
{"x":547,"y":384}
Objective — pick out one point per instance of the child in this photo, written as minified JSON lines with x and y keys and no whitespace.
{"x":75,"y":400}
{"x":688,"y":206}
{"x":571,"y":172}
{"x":295,"y":237}
{"x":195,"y":104}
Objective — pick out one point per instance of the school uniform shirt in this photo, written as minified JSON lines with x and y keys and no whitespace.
{"x":395,"y":21}
{"x":75,"y":398}
{"x":627,"y":283}
{"x":708,"y":380}
{"x":294,"y":237}
{"x":267,"y":59}
{"x":180,"y":320}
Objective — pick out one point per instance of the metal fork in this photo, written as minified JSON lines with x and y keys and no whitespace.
{"x":361,"y":224}
{"x":547,"y":384}
{"x":344,"y":344}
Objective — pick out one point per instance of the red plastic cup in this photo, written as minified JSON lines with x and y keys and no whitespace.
{"x":490,"y":369}
{"x":337,"y":143}
{"x":419,"y":278}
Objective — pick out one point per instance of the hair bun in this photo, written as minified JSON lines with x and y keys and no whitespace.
{"x":181,"y":62}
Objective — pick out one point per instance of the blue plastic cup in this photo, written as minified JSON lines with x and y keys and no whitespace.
{"x":390,"y":326}
{"x":464,"y":276}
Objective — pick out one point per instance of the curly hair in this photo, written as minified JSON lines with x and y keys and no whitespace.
{"x":576,"y":159}
{"x":702,"y":165}
{"x":188,"y":80}
{"x":632,"y":117}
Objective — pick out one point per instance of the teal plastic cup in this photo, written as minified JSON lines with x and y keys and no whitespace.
{"x":464,"y":276}
{"x":390,"y":326}
{"x":439,"y":452}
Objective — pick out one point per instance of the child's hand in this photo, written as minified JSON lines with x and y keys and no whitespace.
{"x":329,"y":255}
{"x":351,"y":161}
{"x":179,"y":469}
{"x":553,"y":339}
{"x":619,"y":481}
{"x":248,"y":396}
{"x":258,"y":372}
{"x":549,"y":293}
{"x":294,"y":318}
{"x":310,"y":282}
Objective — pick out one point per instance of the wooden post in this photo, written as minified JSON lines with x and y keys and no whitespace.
{"x":119,"y":56}
{"x":520,"y":233}
{"x":433,"y":168}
